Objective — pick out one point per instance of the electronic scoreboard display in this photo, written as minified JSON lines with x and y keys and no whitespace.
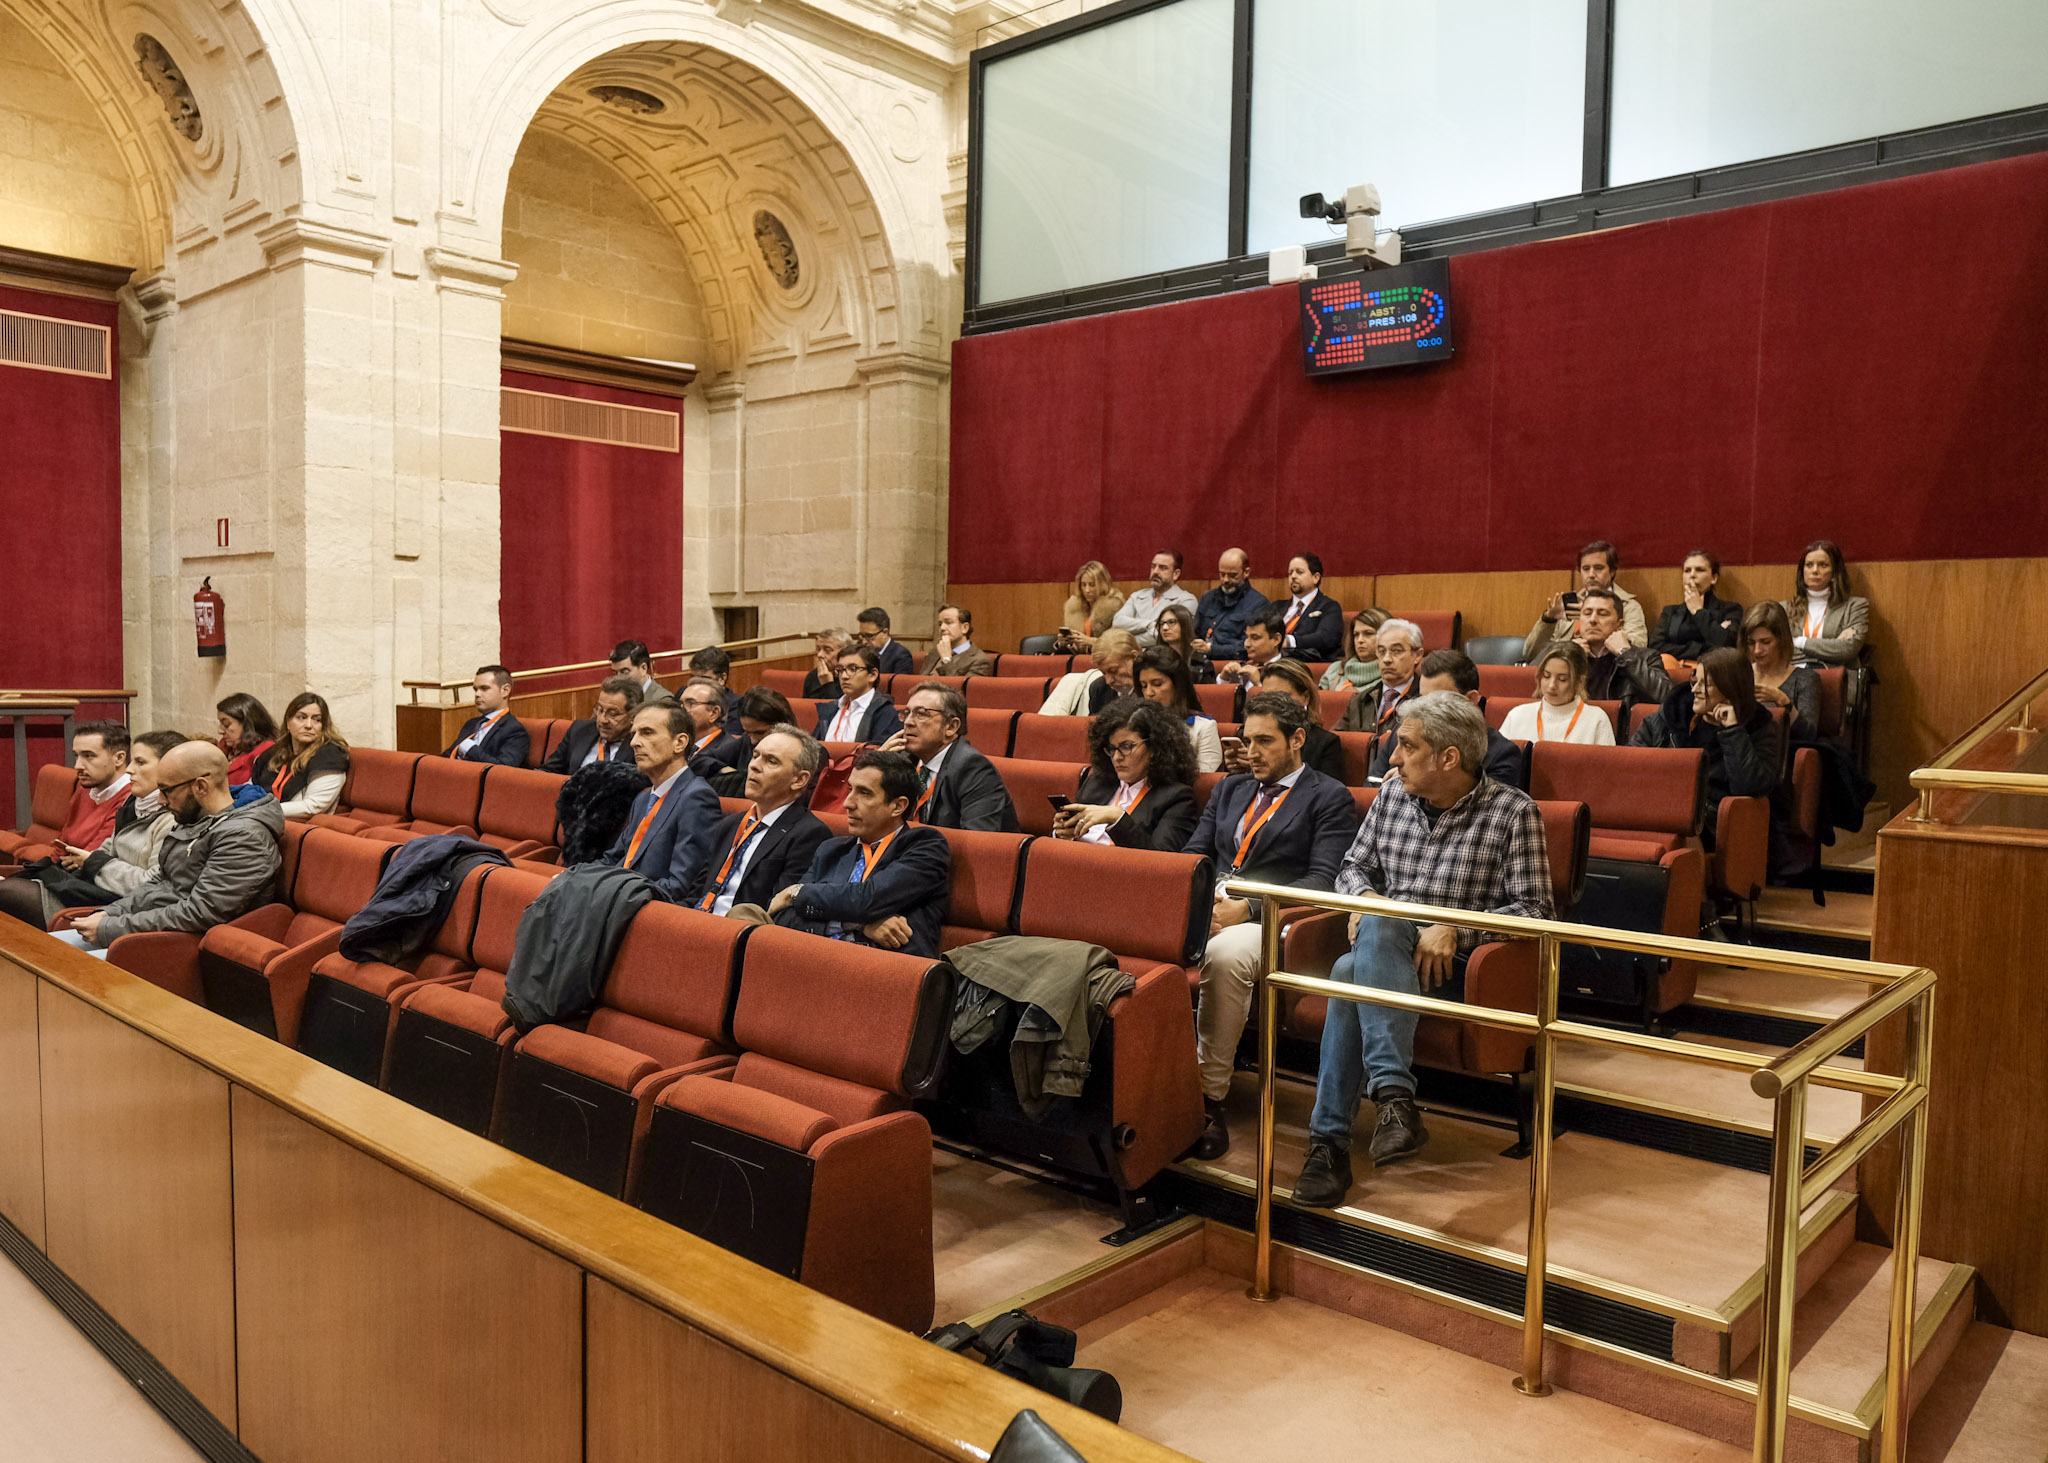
{"x":1384,"y":317}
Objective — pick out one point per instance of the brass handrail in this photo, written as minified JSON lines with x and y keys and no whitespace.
{"x":1783,"y":1080}
{"x":1943,"y":774}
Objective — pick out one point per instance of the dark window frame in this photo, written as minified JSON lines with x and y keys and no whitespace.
{"x":1596,"y":206}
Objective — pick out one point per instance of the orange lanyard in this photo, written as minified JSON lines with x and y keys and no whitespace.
{"x":1814,"y":628}
{"x":739,"y":841}
{"x":845,"y":710}
{"x":871,"y":856}
{"x":1245,"y":837}
{"x":923,"y":797}
{"x":1570,"y":726}
{"x":706,"y":740}
{"x":633,"y":848}
{"x":284,"y":775}
{"x":1295,"y":618}
{"x":1142,"y":795}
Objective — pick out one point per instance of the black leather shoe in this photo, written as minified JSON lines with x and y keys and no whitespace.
{"x":1398,"y":1132}
{"x":1325,"y":1176}
{"x":1215,"y":1139}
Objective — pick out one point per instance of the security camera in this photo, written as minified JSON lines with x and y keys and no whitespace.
{"x":1313,"y":205}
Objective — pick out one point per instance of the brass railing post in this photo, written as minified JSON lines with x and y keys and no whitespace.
{"x":1269,"y":1029}
{"x":1906,"y":1236}
{"x":1530,"y":1383}
{"x":1781,"y":1273}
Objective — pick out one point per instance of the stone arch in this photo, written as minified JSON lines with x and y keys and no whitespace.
{"x":756,"y":70}
{"x":242,"y":168}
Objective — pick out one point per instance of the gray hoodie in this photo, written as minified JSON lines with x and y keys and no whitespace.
{"x":208,"y":873}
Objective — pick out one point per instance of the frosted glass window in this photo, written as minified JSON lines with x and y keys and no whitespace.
{"x":1107,"y":154}
{"x":1703,"y":83}
{"x":1450,"y":106}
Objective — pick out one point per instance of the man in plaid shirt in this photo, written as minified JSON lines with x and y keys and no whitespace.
{"x":1442,"y":833}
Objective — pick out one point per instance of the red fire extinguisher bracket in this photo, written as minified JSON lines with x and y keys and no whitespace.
{"x":210,"y":619}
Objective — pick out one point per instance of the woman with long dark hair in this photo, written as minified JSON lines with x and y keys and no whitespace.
{"x":246,"y":733}
{"x":1177,"y":634}
{"x":1162,"y":677}
{"x":305,"y":771}
{"x":1830,"y":626}
{"x":1743,"y":748}
{"x":1138,"y":790}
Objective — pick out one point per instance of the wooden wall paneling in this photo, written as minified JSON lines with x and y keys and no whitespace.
{"x":381,"y":1319}
{"x":1005,"y":613}
{"x":21,"y":1104}
{"x":659,"y":1388}
{"x":1490,"y":604}
{"x":138,"y":1190}
{"x":1972,"y":905}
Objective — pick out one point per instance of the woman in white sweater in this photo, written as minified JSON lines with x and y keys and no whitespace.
{"x":1561,"y":712}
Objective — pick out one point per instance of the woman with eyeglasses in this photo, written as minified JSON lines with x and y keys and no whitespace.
{"x":1177,"y":634}
{"x":1163,"y":677}
{"x":1137,"y":791}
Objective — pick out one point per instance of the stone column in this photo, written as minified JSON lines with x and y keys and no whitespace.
{"x":903,"y":411}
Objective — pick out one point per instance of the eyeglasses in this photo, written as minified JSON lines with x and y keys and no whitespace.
{"x":923,"y":713}
{"x":1125,"y":748}
{"x":164,"y":788}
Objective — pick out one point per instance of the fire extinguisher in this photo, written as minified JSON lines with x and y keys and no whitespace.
{"x":210,"y":618}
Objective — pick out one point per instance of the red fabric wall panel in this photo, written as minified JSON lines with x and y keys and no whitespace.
{"x":591,"y":547}
{"x":60,"y":553}
{"x":1867,"y":363}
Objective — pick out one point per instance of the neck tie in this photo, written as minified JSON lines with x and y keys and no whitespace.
{"x":749,"y":826}
{"x":633,"y":848}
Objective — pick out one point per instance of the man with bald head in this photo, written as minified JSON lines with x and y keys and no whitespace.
{"x":216,"y":864}
{"x":1224,"y":611}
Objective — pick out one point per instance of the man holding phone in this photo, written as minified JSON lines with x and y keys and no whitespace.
{"x":1598,"y":562}
{"x":1276,"y":822}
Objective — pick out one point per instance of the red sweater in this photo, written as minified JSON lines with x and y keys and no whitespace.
{"x":89,"y":824}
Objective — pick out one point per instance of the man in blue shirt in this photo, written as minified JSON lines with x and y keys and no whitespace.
{"x":1222,"y":613}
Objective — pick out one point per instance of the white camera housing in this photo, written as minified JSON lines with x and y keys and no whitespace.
{"x":1362,"y":238}
{"x":1289,"y":264}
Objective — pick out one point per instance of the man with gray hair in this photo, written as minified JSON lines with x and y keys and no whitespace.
{"x":957,"y":787}
{"x":1398,"y":644}
{"x":767,"y":847}
{"x":1441,"y":833}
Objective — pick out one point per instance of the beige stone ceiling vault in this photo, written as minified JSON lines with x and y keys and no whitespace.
{"x":244,"y":168}
{"x":730,"y":143}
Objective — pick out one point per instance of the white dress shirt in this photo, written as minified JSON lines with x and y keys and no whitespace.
{"x":723,"y":904}
{"x":845,"y":725}
{"x":462,"y":747}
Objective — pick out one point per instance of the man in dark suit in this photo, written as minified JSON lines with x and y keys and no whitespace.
{"x":494,"y":734}
{"x":886,"y":883}
{"x":713,"y":750}
{"x":715,"y":662}
{"x":1378,"y":712}
{"x":862,"y":713}
{"x":604,"y":735}
{"x":872,"y":625}
{"x":631,"y":658}
{"x":1453,"y":671}
{"x":1315,"y":622}
{"x":758,"y":853}
{"x":957,"y":786}
{"x":1277,"y":822}
{"x":1320,"y":748}
{"x":667,"y":835}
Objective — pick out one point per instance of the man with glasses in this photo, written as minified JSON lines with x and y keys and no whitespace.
{"x":872,"y":628}
{"x":217,"y":863}
{"x":861,"y":714}
{"x":1222,"y":613}
{"x":957,"y":787}
{"x":714,"y":751}
{"x":603,"y":736}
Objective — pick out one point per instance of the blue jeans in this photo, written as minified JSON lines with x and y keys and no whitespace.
{"x":1369,"y":1047}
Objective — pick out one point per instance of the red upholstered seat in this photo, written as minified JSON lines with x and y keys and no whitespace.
{"x":378,"y":790}
{"x":580,"y":1101}
{"x":351,"y":1005}
{"x":1358,"y":749}
{"x":49,"y":806}
{"x":1205,"y":784}
{"x":445,"y":797}
{"x":1050,"y":738}
{"x":1515,"y":681}
{"x":1141,"y":1106}
{"x":987,"y":873}
{"x":1006,"y":693}
{"x":1441,"y":629}
{"x":517,"y":813}
{"x":254,"y":970}
{"x":1644,"y":803}
{"x":448,"y":1046}
{"x":537,"y":732}
{"x":988,"y":730}
{"x":1031,"y":783}
{"x":1834,"y":699}
{"x":1038,"y":666}
{"x":1331,"y":704}
{"x":790,"y":683}
{"x":835,"y":1039}
{"x":1217,"y":700}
